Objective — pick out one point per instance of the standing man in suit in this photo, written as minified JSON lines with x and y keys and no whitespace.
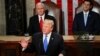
{"x":87,"y":21}
{"x":36,"y":21}
{"x":45,"y":43}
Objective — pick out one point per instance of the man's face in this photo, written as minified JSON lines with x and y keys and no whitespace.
{"x":86,"y":6}
{"x":47,"y":28}
{"x":40,"y":9}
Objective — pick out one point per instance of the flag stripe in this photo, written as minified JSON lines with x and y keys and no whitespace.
{"x":75,"y":5}
{"x":48,"y":1}
{"x":65,"y":11}
{"x":59,"y":3}
{"x":70,"y":16}
{"x":36,"y":1}
{"x":80,"y":1}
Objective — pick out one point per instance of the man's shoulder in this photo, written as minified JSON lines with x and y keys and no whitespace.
{"x":57,"y":35}
{"x":54,"y":33}
{"x":37,"y":34}
{"x":34,"y":17}
{"x":79,"y":13}
{"x":92,"y":12}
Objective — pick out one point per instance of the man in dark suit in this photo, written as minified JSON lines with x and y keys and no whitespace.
{"x":87,"y":21}
{"x":36,"y":21}
{"x":45,"y":43}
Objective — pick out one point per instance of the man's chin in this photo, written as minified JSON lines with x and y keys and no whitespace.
{"x":44,"y":32}
{"x":86,"y":10}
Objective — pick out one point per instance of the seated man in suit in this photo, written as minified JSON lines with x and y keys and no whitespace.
{"x":87,"y":21}
{"x":36,"y":21}
{"x":45,"y":43}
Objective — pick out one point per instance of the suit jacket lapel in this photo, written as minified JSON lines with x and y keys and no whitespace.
{"x":41,"y":43}
{"x":37,"y":20}
{"x":88,"y":19}
{"x":38,"y":24}
{"x":82,"y":20}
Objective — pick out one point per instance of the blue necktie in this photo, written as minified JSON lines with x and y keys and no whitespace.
{"x":45,"y":43}
{"x":85,"y":18}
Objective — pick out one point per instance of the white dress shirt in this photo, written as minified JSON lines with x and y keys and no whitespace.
{"x":85,"y":14}
{"x":43,"y":16}
{"x":48,"y":37}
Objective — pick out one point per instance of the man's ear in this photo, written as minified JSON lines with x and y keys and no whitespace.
{"x":52,"y":28}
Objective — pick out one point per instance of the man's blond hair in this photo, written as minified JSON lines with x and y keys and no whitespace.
{"x":49,"y":22}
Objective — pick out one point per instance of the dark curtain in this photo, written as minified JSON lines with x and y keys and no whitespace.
{"x":15,"y":17}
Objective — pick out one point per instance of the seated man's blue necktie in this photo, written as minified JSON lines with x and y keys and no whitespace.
{"x":45,"y":43}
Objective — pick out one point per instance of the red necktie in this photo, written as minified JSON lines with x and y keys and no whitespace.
{"x":41,"y":23}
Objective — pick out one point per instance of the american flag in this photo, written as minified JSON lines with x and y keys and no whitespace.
{"x":68,"y":7}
